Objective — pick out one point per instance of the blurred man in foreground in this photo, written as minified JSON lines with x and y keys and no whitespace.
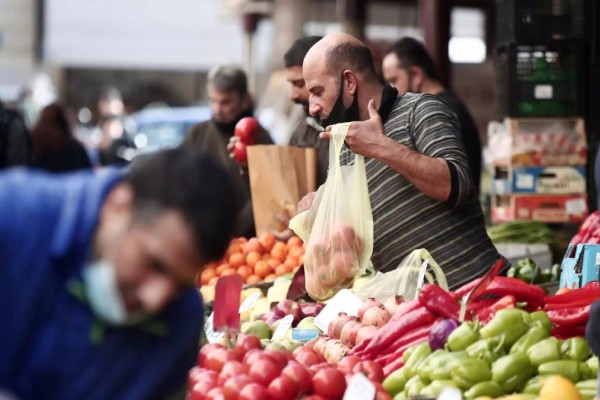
{"x":97,"y":274}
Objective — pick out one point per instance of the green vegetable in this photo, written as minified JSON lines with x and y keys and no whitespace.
{"x":555,"y":272}
{"x":567,"y":368}
{"x":439,"y":369}
{"x":587,"y":388}
{"x":526,"y":273}
{"x":463,"y":336}
{"x":575,"y":349}
{"x":469,"y":372}
{"x":585,"y":372}
{"x":487,"y":350}
{"x":413,"y":387}
{"x":490,"y":388}
{"x":512,"y":272}
{"x":512,"y":371}
{"x":423,"y":370}
{"x":508,"y":325}
{"x":395,"y":382}
{"x":408,"y":353}
{"x":400,"y":396}
{"x":419,"y":354}
{"x":533,"y":386}
{"x":534,"y":335}
{"x":435,"y":388}
{"x":544,"y":352}
{"x":523,"y":232}
{"x":540,"y":318}
{"x":592,"y":362}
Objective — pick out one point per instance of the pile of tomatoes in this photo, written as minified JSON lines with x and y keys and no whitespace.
{"x":246,"y":372}
{"x":256,"y":259}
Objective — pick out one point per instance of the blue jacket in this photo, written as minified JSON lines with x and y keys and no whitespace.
{"x":46,"y":228}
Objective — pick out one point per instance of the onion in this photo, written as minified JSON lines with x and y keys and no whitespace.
{"x":440,"y":332}
{"x":371,"y":302}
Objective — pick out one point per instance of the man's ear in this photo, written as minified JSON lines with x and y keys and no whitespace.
{"x":417,"y":76}
{"x":247,"y":102}
{"x":350,"y":81}
{"x":120,"y":198}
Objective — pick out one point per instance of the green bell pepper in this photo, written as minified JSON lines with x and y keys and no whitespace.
{"x":463,"y":336}
{"x":512,"y":371}
{"x":540,"y":318}
{"x":419,"y":354}
{"x":575,"y":349}
{"x":481,"y":389}
{"x":414,"y":386}
{"x":406,"y":355}
{"x":487,"y":350}
{"x":423,"y":370}
{"x":585,"y":372}
{"x":567,"y":368}
{"x":526,"y":273}
{"x":512,"y":272}
{"x":395,"y":382}
{"x":592,"y":362}
{"x":439,"y":369}
{"x":543,"y":352}
{"x":587,"y":388}
{"x":435,"y":388}
{"x":400,"y":396}
{"x":508,"y":325}
{"x":469,"y":372}
{"x":534,"y":335}
{"x":533,"y":386}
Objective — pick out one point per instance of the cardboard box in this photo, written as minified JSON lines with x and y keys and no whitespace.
{"x":580,"y":265}
{"x":545,"y":208}
{"x":540,"y":180}
{"x":525,"y":142}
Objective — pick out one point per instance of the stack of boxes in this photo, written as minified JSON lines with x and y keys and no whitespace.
{"x":539,"y":151}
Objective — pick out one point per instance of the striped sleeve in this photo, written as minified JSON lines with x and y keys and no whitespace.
{"x":436,"y":134}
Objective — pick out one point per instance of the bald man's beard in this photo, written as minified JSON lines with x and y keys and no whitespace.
{"x":339,"y":113}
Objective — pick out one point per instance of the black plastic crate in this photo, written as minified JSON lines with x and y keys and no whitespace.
{"x":538,"y":21}
{"x":541,"y":80}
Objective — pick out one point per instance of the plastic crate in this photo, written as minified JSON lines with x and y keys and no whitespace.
{"x":541,"y":80}
{"x":535,"y":21}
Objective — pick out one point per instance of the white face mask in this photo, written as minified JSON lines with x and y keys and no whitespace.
{"x":100,"y":281}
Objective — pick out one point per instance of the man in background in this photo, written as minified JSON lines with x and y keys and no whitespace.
{"x":230,"y":101}
{"x":409,"y":68}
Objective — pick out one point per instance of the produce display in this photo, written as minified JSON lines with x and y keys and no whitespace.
{"x":526,"y":270}
{"x":589,"y":232}
{"x":256,"y":260}
{"x":523,"y":232}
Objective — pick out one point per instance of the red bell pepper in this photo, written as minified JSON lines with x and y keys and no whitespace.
{"x":570,"y":316}
{"x":568,"y":331}
{"x":390,"y":332}
{"x":523,"y":292}
{"x":486,"y":314}
{"x":437,"y":300}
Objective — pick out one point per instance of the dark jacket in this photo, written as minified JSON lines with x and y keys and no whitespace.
{"x":306,"y":135}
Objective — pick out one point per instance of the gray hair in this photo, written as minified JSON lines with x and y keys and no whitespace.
{"x":228,"y":78}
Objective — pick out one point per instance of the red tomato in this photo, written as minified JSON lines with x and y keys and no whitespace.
{"x":318,"y":367}
{"x":329,"y":383}
{"x":280,"y":357}
{"x":348,"y":363}
{"x":204,"y":351}
{"x":253,"y":391}
{"x":245,"y":343}
{"x":371,"y":369}
{"x":201,"y":375}
{"x":234,"y":385}
{"x":307,"y":356}
{"x":252,"y":356}
{"x":216,"y":359}
{"x":300,"y":375}
{"x":282,"y":388}
{"x":201,"y":389}
{"x":314,"y":397}
{"x":230,"y":369}
{"x":247,"y":129}
{"x":263,"y":371}
{"x":216,"y":394}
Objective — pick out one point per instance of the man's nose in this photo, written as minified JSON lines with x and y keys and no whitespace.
{"x":155,"y":294}
{"x":314,"y":109}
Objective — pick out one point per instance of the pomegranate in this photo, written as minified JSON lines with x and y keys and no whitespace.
{"x":335,"y":351}
{"x":319,"y":345}
{"x":376,"y":316}
{"x":392,"y":304}
{"x":364,"y":333}
{"x":347,"y":329}
{"x":353,"y":333}
{"x":371,"y":302}
{"x":335,"y":326}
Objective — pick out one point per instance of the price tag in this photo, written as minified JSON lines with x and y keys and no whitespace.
{"x":249,"y":302}
{"x":211,"y":335}
{"x":359,"y":388}
{"x":575,"y":207}
{"x":285,"y":324}
{"x":524,"y":181}
{"x":543,"y":92}
{"x":344,"y":301}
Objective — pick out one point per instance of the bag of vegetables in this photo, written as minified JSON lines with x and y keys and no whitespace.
{"x":338,"y":229}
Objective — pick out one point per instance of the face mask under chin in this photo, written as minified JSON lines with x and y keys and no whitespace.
{"x":339,"y":113}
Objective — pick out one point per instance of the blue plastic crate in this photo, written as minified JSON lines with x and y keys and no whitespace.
{"x":580,"y":265}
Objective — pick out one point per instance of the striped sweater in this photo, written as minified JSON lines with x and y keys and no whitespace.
{"x":405,"y":218}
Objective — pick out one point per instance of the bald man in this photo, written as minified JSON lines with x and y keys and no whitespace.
{"x":421,"y":190}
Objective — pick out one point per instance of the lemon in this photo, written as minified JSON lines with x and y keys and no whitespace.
{"x":557,"y":387}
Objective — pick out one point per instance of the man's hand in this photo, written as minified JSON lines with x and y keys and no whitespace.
{"x":364,"y":137}
{"x":230,"y":148}
{"x":306,"y":202}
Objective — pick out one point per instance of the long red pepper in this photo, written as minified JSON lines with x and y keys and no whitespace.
{"x":484,"y":315}
{"x":570,"y":316}
{"x":503,"y":286}
{"x":392,"y":331}
{"x":399,"y":353}
{"x":393,"y":366}
{"x":588,"y":293}
{"x":437,"y":300}
{"x":559,"y":306}
{"x":568,"y":331}
{"x":410,"y":337}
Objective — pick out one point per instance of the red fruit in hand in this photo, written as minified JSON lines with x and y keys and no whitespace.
{"x":247,"y":129}
{"x":239,"y":152}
